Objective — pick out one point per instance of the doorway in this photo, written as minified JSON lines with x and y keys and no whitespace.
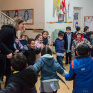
{"x":78,"y":18}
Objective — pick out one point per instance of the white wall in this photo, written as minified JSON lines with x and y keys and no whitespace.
{"x":37,"y":5}
{"x":87,"y":6}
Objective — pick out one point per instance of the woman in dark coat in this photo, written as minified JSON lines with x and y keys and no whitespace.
{"x":7,"y":39}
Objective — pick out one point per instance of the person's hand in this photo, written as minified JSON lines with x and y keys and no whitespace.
{"x":47,"y":45}
{"x":16,"y":51}
{"x":51,"y":44}
{"x":91,"y":47}
{"x":9,"y":56}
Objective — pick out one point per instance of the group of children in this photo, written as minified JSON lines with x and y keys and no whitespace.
{"x":34,"y":55}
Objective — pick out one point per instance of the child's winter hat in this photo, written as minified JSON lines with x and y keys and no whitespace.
{"x":77,"y":34}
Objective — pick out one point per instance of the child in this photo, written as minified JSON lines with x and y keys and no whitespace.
{"x":39,"y":44}
{"x":86,"y":32}
{"x":49,"y":68}
{"x":81,"y":71}
{"x":18,"y":45}
{"x":23,"y":40}
{"x":78,"y":40}
{"x":23,"y":79}
{"x":26,"y":38}
{"x":59,"y":47}
{"x":31,"y":51}
{"x":91,"y":42}
{"x":68,"y":37}
{"x":77,"y":30}
{"x":45,"y":38}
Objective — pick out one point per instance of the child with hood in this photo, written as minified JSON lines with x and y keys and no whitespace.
{"x":78,"y":39}
{"x":49,"y":68}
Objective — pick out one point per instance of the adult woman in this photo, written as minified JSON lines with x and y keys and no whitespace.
{"x":7,"y":39}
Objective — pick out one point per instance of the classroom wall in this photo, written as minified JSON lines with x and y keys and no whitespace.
{"x":87,"y":6}
{"x":37,"y":5}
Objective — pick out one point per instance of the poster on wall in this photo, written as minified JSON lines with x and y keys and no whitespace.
{"x":26,"y":14}
{"x":88,"y":21}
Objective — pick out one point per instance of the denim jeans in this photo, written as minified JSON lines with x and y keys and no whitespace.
{"x":60,"y":59}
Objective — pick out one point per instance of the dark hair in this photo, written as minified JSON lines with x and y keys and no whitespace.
{"x":86,"y":28}
{"x":78,"y":28}
{"x":37,"y":36}
{"x":68,"y":28}
{"x":91,"y":33}
{"x":82,"y":49}
{"x":30,"y":40}
{"x":44,"y":32}
{"x":61,"y":34}
{"x":46,"y":50}
{"x":18,"y":62}
{"x":22,"y":36}
{"x":16,"y":37}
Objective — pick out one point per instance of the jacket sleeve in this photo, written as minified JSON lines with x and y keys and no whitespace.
{"x":73,"y":46}
{"x":12,"y":48}
{"x":11,"y":88}
{"x":54,"y":43}
{"x":38,"y":65}
{"x":59,"y":69}
{"x":71,"y":75}
{"x":87,"y":42}
{"x":3,"y":37}
{"x":26,"y":53}
{"x":37,"y":50}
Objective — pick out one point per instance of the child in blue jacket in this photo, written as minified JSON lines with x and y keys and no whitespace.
{"x":81,"y":71}
{"x":49,"y":68}
{"x":59,"y":47}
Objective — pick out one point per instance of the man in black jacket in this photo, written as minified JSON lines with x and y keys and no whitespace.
{"x":23,"y":79}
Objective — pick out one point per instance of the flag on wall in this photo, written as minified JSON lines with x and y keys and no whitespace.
{"x":63,"y":6}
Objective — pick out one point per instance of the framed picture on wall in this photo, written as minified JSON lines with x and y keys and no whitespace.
{"x":26,"y":14}
{"x":60,"y":17}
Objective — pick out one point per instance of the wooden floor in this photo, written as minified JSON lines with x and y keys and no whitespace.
{"x":63,"y":88}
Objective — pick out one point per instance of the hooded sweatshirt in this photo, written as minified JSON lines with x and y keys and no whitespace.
{"x":76,"y":42}
{"x":49,"y":66}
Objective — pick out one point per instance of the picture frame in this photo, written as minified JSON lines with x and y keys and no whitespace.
{"x":60,"y":18}
{"x":26,"y":14}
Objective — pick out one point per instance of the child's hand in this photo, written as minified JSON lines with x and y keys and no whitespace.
{"x":16,"y":51}
{"x":51,"y":44}
{"x":47,"y":45}
{"x":91,"y":47}
{"x":9,"y":56}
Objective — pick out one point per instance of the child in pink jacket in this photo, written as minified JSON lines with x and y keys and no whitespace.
{"x":39,"y":44}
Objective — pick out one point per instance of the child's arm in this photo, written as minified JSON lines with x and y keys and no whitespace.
{"x":60,"y":70}
{"x":53,"y":44}
{"x":38,"y":65}
{"x":71,"y":75}
{"x":11,"y":88}
{"x":37,"y":50}
{"x":73,"y":46}
{"x":88,"y":43}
